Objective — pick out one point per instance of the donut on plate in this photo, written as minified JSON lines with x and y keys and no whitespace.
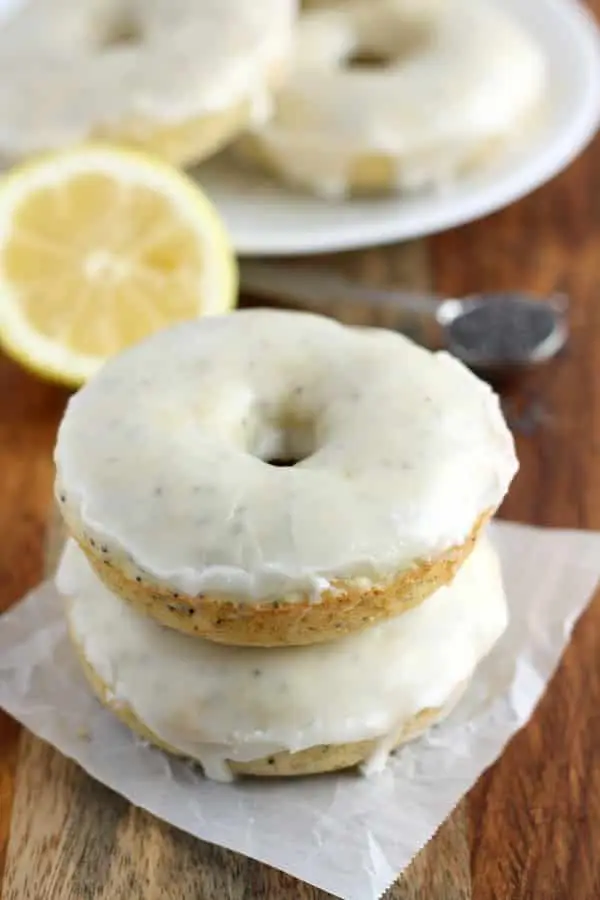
{"x":176,"y":77}
{"x":275,"y":478}
{"x":292,"y":710}
{"x":399,"y":95}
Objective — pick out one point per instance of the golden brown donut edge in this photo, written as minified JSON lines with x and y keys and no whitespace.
{"x":346,"y":608}
{"x":312,"y":761}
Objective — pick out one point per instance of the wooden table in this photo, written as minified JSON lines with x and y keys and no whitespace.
{"x":535,"y":816}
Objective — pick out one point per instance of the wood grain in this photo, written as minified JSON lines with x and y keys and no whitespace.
{"x":535,"y":816}
{"x":73,"y":838}
{"x":29,"y":412}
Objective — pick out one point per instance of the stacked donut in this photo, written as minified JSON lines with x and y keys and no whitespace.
{"x":276,"y":563}
{"x":361,"y":96}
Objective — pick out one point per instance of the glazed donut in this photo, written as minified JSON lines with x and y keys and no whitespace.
{"x":286,"y":711}
{"x":167,"y":475}
{"x":176,"y":77}
{"x":459,"y":79}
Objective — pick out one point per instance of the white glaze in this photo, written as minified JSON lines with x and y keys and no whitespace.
{"x":160,"y":457}
{"x":58,"y":84}
{"x":462,"y":76}
{"x":208,"y":702}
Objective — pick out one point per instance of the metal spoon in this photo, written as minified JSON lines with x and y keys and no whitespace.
{"x":495,"y":334}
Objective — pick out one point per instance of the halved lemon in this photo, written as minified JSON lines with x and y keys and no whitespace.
{"x":100,"y":247}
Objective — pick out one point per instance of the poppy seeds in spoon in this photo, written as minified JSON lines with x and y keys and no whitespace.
{"x":501,"y":329}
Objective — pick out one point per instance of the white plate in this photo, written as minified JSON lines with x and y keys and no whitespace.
{"x":264,"y":218}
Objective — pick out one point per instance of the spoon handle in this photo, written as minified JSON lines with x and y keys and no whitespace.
{"x":411,"y":312}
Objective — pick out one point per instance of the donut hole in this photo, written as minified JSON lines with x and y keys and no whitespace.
{"x":363,"y":58}
{"x":379,"y":46}
{"x":284,"y":442}
{"x":121,"y":29}
{"x":282,"y":463}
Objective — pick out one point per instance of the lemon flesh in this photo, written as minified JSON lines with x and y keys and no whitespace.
{"x":100,"y":247}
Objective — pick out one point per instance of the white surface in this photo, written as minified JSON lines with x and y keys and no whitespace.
{"x":216,"y":703}
{"x":401,"y":451}
{"x":264,"y":218}
{"x":347,"y":835}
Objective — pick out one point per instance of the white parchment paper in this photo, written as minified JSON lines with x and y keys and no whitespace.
{"x":348,"y":835}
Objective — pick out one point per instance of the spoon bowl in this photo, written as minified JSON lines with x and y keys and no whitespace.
{"x":505,"y":333}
